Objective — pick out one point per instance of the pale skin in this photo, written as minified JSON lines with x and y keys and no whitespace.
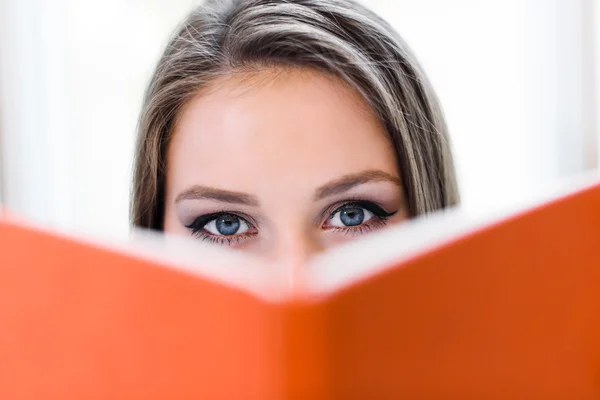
{"x":283,"y":164}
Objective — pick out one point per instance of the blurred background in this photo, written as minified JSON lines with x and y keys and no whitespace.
{"x":517,"y":79}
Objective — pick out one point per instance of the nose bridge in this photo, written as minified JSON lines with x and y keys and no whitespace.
{"x":294,"y":247}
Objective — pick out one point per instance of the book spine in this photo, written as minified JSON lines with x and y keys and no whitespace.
{"x":306,"y":366}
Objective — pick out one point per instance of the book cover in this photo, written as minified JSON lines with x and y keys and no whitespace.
{"x":445,"y":307}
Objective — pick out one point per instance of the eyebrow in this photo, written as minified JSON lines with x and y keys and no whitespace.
{"x":347,"y":182}
{"x":198,"y":192}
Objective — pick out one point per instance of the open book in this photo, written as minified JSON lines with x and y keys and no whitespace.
{"x":444,"y":307}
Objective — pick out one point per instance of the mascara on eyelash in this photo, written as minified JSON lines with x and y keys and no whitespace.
{"x":200,"y":222}
{"x":368,"y":205}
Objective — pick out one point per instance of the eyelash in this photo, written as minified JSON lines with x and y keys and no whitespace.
{"x":197,"y":228}
{"x":380,"y":217}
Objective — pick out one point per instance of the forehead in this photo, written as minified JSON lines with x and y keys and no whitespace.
{"x":274,"y":131}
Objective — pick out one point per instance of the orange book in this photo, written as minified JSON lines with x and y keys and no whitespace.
{"x":444,"y":307}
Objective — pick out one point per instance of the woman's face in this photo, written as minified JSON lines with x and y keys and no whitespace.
{"x":283,"y":164}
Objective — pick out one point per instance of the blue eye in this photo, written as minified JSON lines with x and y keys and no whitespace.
{"x":226,"y":225}
{"x":357,"y":216}
{"x":350,"y":215}
{"x":219,"y":226}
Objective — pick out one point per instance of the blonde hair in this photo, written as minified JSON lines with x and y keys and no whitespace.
{"x":339,"y":37}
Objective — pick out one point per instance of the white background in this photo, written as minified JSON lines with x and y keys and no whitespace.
{"x":517,"y":79}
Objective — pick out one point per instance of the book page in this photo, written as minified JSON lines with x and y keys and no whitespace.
{"x":213,"y":263}
{"x":360,"y":259}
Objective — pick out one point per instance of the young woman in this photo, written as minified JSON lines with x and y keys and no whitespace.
{"x":284,"y":127}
